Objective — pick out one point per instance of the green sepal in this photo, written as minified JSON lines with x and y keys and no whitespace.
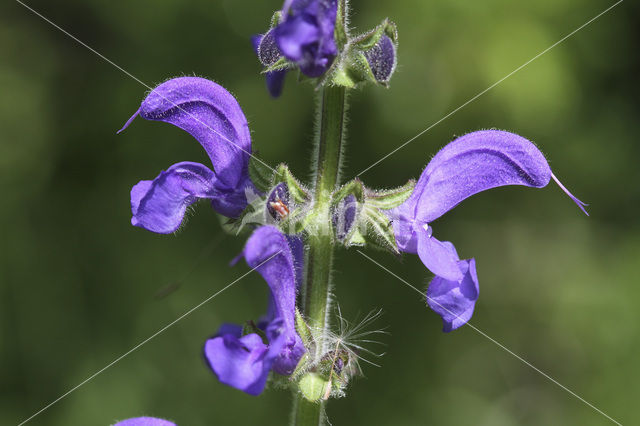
{"x":355,"y":239}
{"x":234,"y":226}
{"x":345,"y":77}
{"x":260,"y":174}
{"x":379,"y":226}
{"x":296,"y":190}
{"x":301,"y":367}
{"x":253,"y":214}
{"x":313,"y":386}
{"x":390,"y":198}
{"x":354,"y":187}
{"x":294,"y":223}
{"x":369,"y":39}
{"x":303,"y":330}
{"x":276,"y":18}
{"x":279,"y":65}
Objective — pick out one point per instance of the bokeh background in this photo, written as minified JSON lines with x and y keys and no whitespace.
{"x":79,"y":285}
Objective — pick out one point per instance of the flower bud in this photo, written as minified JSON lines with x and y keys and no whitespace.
{"x":382,"y":59}
{"x":344,"y":216}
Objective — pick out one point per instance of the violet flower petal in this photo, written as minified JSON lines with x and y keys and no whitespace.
{"x":267,"y":242}
{"x":455,"y":301}
{"x":275,"y":82}
{"x":240,"y":362}
{"x":159,"y":205}
{"x":279,"y":271}
{"x":295,"y":34}
{"x":307,"y":34}
{"x":210,"y":114}
{"x":473,"y":163}
{"x":145,"y":421}
{"x":438,"y":257}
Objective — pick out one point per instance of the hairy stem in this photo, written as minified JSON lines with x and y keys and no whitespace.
{"x":327,"y":162}
{"x":316,"y":291}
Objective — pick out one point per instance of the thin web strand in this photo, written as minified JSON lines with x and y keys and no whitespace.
{"x":144,"y":84}
{"x":489,"y":88}
{"x":482,"y":333}
{"x":136,"y":347}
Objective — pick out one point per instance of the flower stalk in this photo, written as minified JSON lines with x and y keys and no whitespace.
{"x":316,"y":291}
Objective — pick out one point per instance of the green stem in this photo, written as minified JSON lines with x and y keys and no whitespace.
{"x":328,"y":161}
{"x":319,"y":260}
{"x":306,"y":413}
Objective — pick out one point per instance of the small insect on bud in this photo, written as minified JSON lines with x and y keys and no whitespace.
{"x":278,"y":202}
{"x":382,"y":59}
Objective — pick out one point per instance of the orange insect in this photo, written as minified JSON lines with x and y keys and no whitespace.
{"x":281,"y":208}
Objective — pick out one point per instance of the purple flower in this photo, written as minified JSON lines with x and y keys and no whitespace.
{"x":306,"y":35}
{"x":470,"y":164}
{"x":244,"y":362}
{"x":211,"y":115}
{"x":145,"y":421}
{"x":268,"y":53}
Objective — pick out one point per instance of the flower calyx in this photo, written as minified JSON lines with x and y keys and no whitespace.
{"x":370,"y":57}
{"x":358,"y":214}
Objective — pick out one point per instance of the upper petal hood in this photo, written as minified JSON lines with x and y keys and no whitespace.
{"x":270,"y":252}
{"x":473,"y":163}
{"x":211,"y":115}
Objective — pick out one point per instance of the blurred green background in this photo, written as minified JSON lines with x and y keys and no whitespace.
{"x":78,"y":283}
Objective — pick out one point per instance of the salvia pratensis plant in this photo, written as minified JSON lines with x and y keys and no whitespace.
{"x":296,"y":227}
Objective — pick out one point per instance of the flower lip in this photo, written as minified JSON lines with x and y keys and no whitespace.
{"x":455,"y":300}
